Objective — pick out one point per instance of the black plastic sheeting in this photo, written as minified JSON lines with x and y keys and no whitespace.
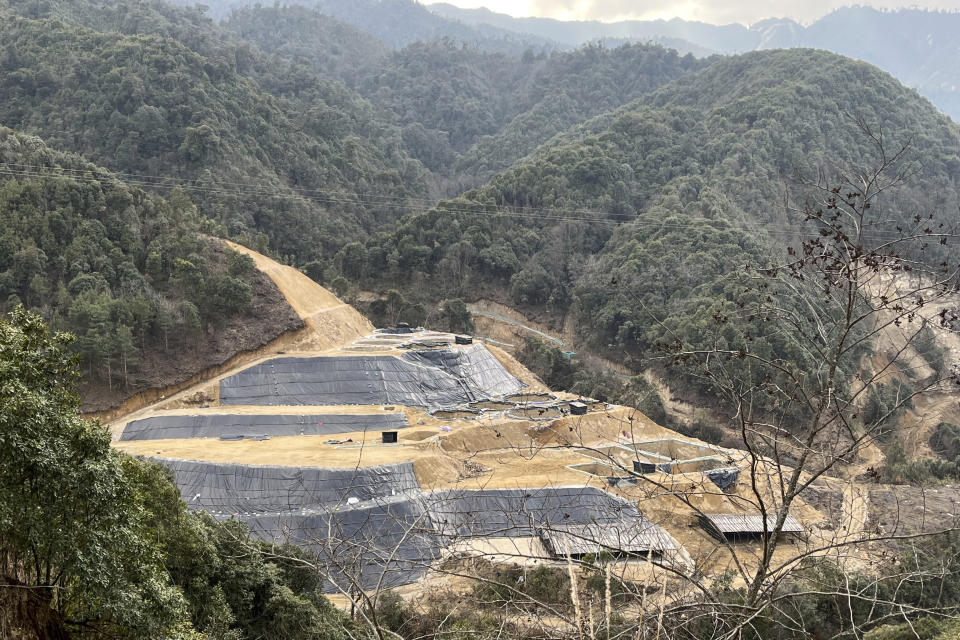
{"x":388,"y":543}
{"x":430,"y":378}
{"x":215,"y":426}
{"x":522,"y":512}
{"x":372,"y":525}
{"x":394,"y":541}
{"x":723,"y":477}
{"x":231,"y":489}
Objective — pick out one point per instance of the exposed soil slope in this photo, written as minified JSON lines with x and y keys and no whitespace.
{"x":290,"y":311}
{"x":330,"y":322}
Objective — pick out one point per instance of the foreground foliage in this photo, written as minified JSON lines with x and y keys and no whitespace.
{"x":103,"y":541}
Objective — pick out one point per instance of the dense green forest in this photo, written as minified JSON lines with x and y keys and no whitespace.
{"x":483,"y":111}
{"x":636,"y":220}
{"x":264,"y":148}
{"x":134,"y":275}
{"x":465,"y":112}
{"x":269,"y":129}
{"x":333,"y":48}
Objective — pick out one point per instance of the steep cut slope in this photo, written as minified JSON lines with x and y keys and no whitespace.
{"x":330,"y":322}
{"x":321,"y":322}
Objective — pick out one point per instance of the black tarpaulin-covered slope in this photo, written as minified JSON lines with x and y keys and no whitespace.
{"x":428,"y":378}
{"x":396,"y":539}
{"x":388,"y":542}
{"x":214,"y":426}
{"x":374,"y":525}
{"x":521,"y":512}
{"x":228,"y":489}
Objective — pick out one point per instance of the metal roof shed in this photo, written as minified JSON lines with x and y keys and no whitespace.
{"x":727,"y":525}
{"x":623,"y":538}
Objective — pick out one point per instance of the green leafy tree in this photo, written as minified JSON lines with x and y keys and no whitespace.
{"x":70,"y":526}
{"x":455,"y":316}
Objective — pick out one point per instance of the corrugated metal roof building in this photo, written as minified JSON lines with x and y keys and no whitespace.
{"x":728,"y":525}
{"x":630,"y":538}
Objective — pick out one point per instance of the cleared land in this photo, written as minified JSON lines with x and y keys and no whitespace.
{"x":472,"y":433}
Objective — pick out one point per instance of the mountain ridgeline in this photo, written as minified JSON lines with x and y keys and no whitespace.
{"x":919,"y":47}
{"x":465,"y":113}
{"x":621,"y":185}
{"x":637,"y":220}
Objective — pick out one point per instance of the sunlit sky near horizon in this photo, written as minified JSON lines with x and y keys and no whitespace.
{"x":715,"y":11}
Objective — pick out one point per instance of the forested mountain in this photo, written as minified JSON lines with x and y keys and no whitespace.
{"x":333,"y":48}
{"x":465,"y":112}
{"x":919,"y":47}
{"x":266,"y":146}
{"x":637,"y":219}
{"x":255,"y":120}
{"x":132,"y":274}
{"x":568,"y":88}
{"x":222,"y":111}
{"x":468,"y":114}
{"x":401,"y":22}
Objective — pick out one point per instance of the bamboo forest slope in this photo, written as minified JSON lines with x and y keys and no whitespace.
{"x":277,"y":162}
{"x":638,"y":216}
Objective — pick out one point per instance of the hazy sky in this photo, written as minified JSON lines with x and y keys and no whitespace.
{"x":713,"y":11}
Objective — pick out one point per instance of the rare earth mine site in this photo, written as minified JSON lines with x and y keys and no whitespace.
{"x":401,"y":456}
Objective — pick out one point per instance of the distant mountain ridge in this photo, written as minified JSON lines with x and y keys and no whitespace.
{"x":398,"y":23}
{"x":921,"y":48}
